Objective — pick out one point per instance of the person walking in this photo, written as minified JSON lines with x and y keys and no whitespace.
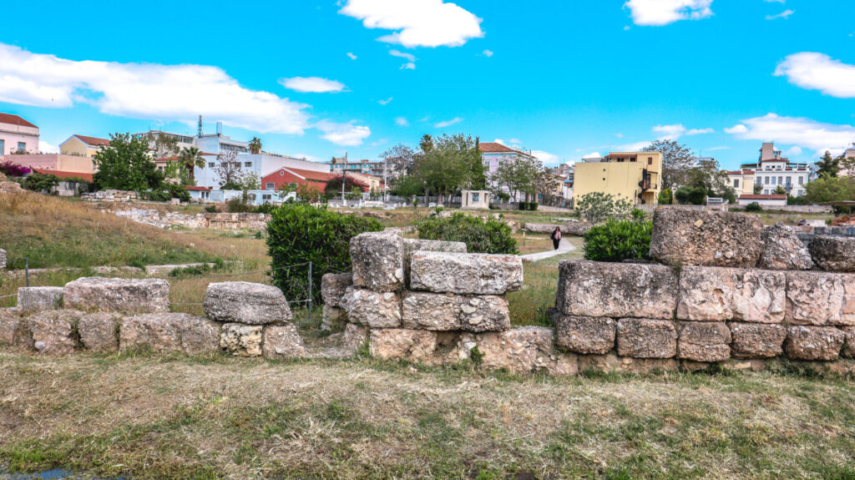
{"x":556,"y":237}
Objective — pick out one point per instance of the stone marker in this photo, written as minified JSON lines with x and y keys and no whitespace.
{"x":170,"y":332}
{"x":36,"y":299}
{"x":131,"y":296}
{"x":614,"y":290}
{"x":704,"y":342}
{"x":754,"y":340}
{"x":333,"y":286}
{"x":645,"y":338}
{"x":282,"y":341}
{"x":833,"y":254}
{"x":53,"y":330}
{"x":712,"y":294}
{"x":372,"y":309}
{"x":377,"y":259}
{"x":447,"y":312}
{"x":99,"y":332}
{"x":401,"y":344}
{"x":818,"y":298}
{"x":586,"y":335}
{"x":814,"y":343}
{"x":466,"y":273}
{"x":698,"y":237}
{"x":241,"y":340}
{"x":247,"y":303}
{"x":9,"y":324}
{"x":782,"y":250}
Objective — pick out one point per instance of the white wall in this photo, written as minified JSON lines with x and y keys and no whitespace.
{"x":13,"y":134}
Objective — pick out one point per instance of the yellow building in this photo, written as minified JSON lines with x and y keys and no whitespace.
{"x":82,"y":146}
{"x":742,"y":181}
{"x":636,"y":176}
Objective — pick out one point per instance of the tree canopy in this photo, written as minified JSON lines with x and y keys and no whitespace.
{"x":676,"y":161}
{"x":126,"y":164}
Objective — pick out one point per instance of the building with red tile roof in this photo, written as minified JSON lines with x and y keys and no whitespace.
{"x":17,"y":135}
{"x":289,"y":176}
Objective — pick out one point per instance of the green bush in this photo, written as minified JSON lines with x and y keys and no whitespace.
{"x":532,"y":206}
{"x":619,"y":240}
{"x":38,"y":182}
{"x":299,"y":233}
{"x":491,"y":236}
{"x":211,"y":209}
{"x":691,"y":196}
{"x":753,"y":207}
{"x":237,"y":205}
{"x":666,"y":197}
{"x":522,"y":205}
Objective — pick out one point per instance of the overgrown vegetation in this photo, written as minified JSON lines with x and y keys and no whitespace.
{"x":492,"y":236}
{"x":598,"y":206}
{"x":619,"y":240}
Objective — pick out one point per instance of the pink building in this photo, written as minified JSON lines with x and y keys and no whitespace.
{"x":17,"y":135}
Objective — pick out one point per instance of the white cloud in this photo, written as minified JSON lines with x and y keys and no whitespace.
{"x":499,"y":141}
{"x":147,"y":91}
{"x":45,"y":147}
{"x":351,"y":56}
{"x":794,"y":151}
{"x":516,"y":141}
{"x":817,"y":71}
{"x":626,"y":28}
{"x":663,"y":12}
{"x":448,"y":123}
{"x":718,"y":148}
{"x":592,"y":155}
{"x":775,"y":1}
{"x":699,"y":131}
{"x":312,"y":84}
{"x":304,"y":156}
{"x":545,"y":157}
{"x":408,"y":56}
{"x":784,"y":15}
{"x":408,"y":66}
{"x":418,"y":23}
{"x":796,"y":131}
{"x":673,"y":132}
{"x":345,"y":134}
{"x":487,"y":53}
{"x":634,"y":147}
{"x":402,"y":122}
{"x":385,"y":102}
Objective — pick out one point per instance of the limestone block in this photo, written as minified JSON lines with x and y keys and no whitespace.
{"x":36,"y":299}
{"x":849,"y":345}
{"x":612,"y":363}
{"x":710,"y":294}
{"x":752,"y":340}
{"x":53,"y":331}
{"x":704,"y":342}
{"x":706,"y":238}
{"x":402,"y":344}
{"x":465,"y":273}
{"x":333,"y":286}
{"x":646,"y":338}
{"x":372,"y":309}
{"x":333,"y":318}
{"x":447,"y":312}
{"x":833,"y":254}
{"x":247,"y":303}
{"x":283,"y":342}
{"x":782,"y":250}
{"x":412,"y":245}
{"x":586,"y":335}
{"x":2,"y":259}
{"x":595,"y":289}
{"x":814,"y":343}
{"x":241,"y":340}
{"x":9,"y":324}
{"x":118,"y":295}
{"x":817,"y":298}
{"x":170,"y":332}
{"x":524,"y":350}
{"x":378,"y":261}
{"x":99,"y":332}
{"x":354,"y":337}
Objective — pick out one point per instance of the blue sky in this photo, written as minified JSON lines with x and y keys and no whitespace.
{"x":561,"y":78}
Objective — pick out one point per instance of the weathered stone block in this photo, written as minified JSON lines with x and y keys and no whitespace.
{"x":595,"y":289}
{"x":372,"y":309}
{"x":378,"y":261}
{"x":612,"y":363}
{"x":283,"y":342}
{"x":447,"y":312}
{"x":704,"y":342}
{"x":646,"y":338}
{"x":247,"y":303}
{"x":170,"y":332}
{"x":402,"y":344}
{"x":53,"y":331}
{"x":833,"y":254}
{"x":333,"y":318}
{"x":466,"y":273}
{"x":753,"y":340}
{"x":2,"y":259}
{"x":412,"y":245}
{"x":815,"y":298}
{"x":711,"y":294}
{"x":698,"y":237}
{"x":9,"y":324}
{"x":333,"y":286}
{"x":814,"y":343}
{"x":99,"y":332}
{"x":848,"y":346}
{"x":36,"y":299}
{"x":241,"y":340}
{"x":118,"y":295}
{"x":524,"y":350}
{"x":587,"y":335}
{"x":782,"y":250}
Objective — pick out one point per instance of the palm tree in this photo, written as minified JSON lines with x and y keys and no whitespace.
{"x":191,"y":157}
{"x":255,"y":145}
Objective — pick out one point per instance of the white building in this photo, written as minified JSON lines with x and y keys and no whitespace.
{"x":17,"y":135}
{"x":772,"y":171}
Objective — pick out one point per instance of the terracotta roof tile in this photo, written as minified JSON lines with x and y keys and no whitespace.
{"x":491,"y":147}
{"x":94,"y":141}
{"x":10,"y":119}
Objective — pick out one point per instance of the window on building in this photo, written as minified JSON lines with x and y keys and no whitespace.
{"x":270,"y":186}
{"x":266,"y":197}
{"x":767,"y":180}
{"x":210,"y":164}
{"x":22,"y":147}
{"x":780,"y":180}
{"x":247,"y":164}
{"x":774,"y":180}
{"x":476,"y":197}
{"x":2,"y":147}
{"x":801,"y":180}
{"x":736,"y":184}
{"x":650,"y":160}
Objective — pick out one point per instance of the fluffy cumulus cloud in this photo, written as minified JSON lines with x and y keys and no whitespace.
{"x":312,"y":84}
{"x":592,"y":155}
{"x":45,"y":147}
{"x":663,"y":12}
{"x":417,"y":23}
{"x":545,"y":157}
{"x":797,"y":132}
{"x":449,"y":123}
{"x":344,"y":134}
{"x":817,"y":71}
{"x":673,"y":132}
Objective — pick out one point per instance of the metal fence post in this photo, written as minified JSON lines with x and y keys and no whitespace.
{"x":310,"y":292}
{"x":27,"y":270}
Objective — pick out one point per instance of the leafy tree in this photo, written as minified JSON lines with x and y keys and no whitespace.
{"x":598,"y":206}
{"x":666,"y":197}
{"x":691,"y":195}
{"x":38,"y":182}
{"x":517,"y":175}
{"x":190,"y":158}
{"x":831,"y":189}
{"x":446,"y":166}
{"x":126,"y":164}
{"x":229,"y":170}
{"x":676,"y":161}
{"x":397,"y":161}
{"x":828,"y":165}
{"x":545,"y":182}
{"x":847,"y":164}
{"x":757,"y":188}
{"x":478,"y":176}
{"x":619,"y":240}
{"x":426,"y":143}
{"x":333,"y":187}
{"x":492,"y":236}
{"x":753,"y":207}
{"x":255,"y":145}
{"x":779,"y":190}
{"x":407,"y":186}
{"x":163,"y":145}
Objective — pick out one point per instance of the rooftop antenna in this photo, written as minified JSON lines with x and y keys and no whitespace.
{"x":199,"y":134}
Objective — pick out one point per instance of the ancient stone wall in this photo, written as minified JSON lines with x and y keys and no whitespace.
{"x":219,"y":221}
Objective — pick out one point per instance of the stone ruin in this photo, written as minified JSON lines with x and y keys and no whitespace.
{"x":216,"y":221}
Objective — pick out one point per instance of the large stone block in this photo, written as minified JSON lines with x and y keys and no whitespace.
{"x":247,"y":303}
{"x":586,"y":335}
{"x":754,"y":340}
{"x":412,"y":245}
{"x":849,"y":345}
{"x":711,"y":294}
{"x":118,"y":295}
{"x":54,"y":331}
{"x":333,"y":286}
{"x":9,"y":324}
{"x":816,"y":298}
{"x":595,"y":289}
{"x":465,"y":273}
{"x":99,"y":332}
{"x":333,"y":318}
{"x":372,"y":309}
{"x":241,"y":340}
{"x":782,"y":250}
{"x":170,"y":332}
{"x":283,"y":342}
{"x":523,"y":350}
{"x":378,"y":261}
{"x":36,"y":299}
{"x":833,"y":254}
{"x":698,"y":237}
{"x":402,"y":344}
{"x":646,"y":338}
{"x":447,"y":312}
{"x":814,"y":343}
{"x":612,"y":363}
{"x":704,"y":342}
